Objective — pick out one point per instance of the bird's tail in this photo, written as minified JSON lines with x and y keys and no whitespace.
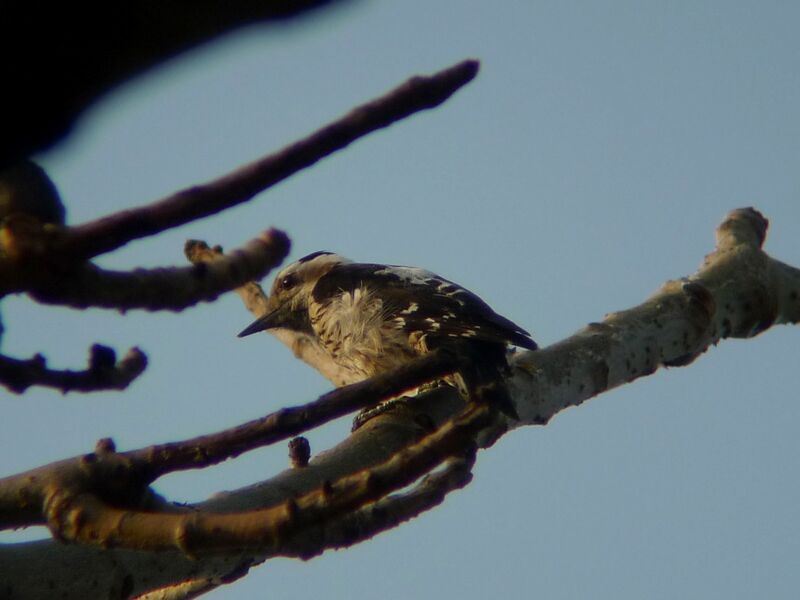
{"x":482,"y":379}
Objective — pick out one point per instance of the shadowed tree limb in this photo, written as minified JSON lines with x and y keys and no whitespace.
{"x":207,"y":450}
{"x":385,"y":514}
{"x":84,"y":518}
{"x":134,"y":470}
{"x":104,"y":372}
{"x":111,"y":232}
{"x":173,"y":288}
{"x":356,"y":526}
{"x":84,"y":285}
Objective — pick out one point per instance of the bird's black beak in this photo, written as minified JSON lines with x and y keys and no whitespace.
{"x":268,"y":321}
{"x":282,"y":317}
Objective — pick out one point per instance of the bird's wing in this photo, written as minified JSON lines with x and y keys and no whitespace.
{"x":418,"y":300}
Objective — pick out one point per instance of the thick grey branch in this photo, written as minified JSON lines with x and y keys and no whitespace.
{"x":739,"y":291}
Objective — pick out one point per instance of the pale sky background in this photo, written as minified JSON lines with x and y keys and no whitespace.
{"x":588,"y":163}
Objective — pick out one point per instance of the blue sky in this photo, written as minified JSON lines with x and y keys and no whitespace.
{"x":588,"y":163}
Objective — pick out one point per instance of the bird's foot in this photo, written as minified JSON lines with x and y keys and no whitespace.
{"x":370,"y":413}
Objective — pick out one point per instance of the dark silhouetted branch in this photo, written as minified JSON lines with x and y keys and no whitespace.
{"x":103,"y":373}
{"x":386,"y":513}
{"x":159,"y":289}
{"x":200,"y":452}
{"x":108,"y":233}
{"x":135,"y":469}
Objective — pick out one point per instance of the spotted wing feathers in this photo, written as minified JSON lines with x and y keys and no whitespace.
{"x":420,"y":301}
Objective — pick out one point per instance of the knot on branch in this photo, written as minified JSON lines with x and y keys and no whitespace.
{"x":78,"y":494}
{"x":299,"y":452}
{"x":742,"y":226}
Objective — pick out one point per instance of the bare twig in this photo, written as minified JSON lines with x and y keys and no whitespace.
{"x":385,"y":514}
{"x":111,"y":232}
{"x":158,"y":289}
{"x":303,"y":347}
{"x":103,"y":373}
{"x":202,"y":451}
{"x":199,"y":252}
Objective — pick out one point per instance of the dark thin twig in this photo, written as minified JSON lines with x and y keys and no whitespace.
{"x":388,"y":512}
{"x":164,"y":288}
{"x":111,"y":232}
{"x":104,"y":372}
{"x":211,"y":449}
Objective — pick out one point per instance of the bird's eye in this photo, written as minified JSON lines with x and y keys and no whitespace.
{"x":288,"y":282}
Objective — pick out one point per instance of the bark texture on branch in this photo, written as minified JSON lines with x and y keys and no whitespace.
{"x":739,"y":291}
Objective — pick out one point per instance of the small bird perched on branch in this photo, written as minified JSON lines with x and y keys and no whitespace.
{"x":372,"y":318}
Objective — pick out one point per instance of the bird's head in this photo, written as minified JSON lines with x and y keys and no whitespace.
{"x":291,"y":292}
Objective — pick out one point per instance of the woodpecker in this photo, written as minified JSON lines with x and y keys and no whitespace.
{"x":371,"y":318}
